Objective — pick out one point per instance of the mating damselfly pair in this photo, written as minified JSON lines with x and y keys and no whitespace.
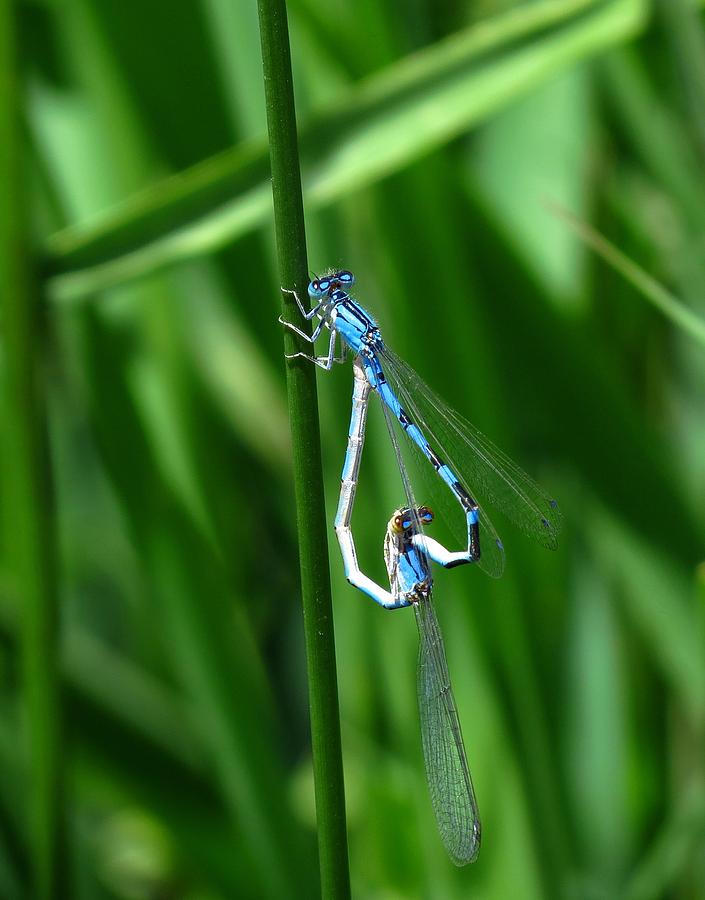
{"x":472,"y":469}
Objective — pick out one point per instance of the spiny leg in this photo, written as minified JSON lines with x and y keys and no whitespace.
{"x":449,"y":559}
{"x":311,"y":338}
{"x":323,"y":362}
{"x":306,"y":313}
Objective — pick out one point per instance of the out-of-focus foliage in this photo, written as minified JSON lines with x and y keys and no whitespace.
{"x":429,"y":169}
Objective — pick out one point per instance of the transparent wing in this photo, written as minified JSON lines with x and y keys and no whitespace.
{"x":485,"y":470}
{"x":447,"y":771}
{"x":435,"y":490}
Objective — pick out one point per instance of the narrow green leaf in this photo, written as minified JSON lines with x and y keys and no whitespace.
{"x":29,"y":506}
{"x":671,"y":307}
{"x":685,"y":33}
{"x":653,"y":129}
{"x":679,"y":840}
{"x":557,"y":127}
{"x":216,"y":663}
{"x":391,"y":119}
{"x":655,"y":595}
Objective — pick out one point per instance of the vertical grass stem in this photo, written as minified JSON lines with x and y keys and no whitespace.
{"x":308,"y":479}
{"x":28,"y":505}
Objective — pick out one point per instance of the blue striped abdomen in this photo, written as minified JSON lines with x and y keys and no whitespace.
{"x":377,"y":379}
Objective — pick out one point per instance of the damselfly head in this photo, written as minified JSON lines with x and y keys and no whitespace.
{"x":405,"y":519}
{"x":324,"y":285}
{"x":399,"y":523}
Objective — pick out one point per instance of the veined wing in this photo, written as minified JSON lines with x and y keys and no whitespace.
{"x":492,"y":553}
{"x":485,"y":470}
{"x":436,"y":490}
{"x":447,"y":771}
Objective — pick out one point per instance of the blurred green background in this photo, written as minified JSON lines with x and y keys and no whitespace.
{"x":433,"y":137}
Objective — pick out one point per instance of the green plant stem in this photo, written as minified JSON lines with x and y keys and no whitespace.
{"x":308,"y":478}
{"x":671,"y":307}
{"x":28,"y":495}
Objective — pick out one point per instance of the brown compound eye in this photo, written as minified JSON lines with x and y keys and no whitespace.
{"x":425,"y":514}
{"x":399,"y":524}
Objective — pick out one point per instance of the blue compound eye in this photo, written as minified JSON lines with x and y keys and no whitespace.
{"x":426,"y":515}
{"x":318,"y":288}
{"x":345,"y":277}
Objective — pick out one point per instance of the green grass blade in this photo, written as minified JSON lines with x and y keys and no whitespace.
{"x":385,"y":123}
{"x":308,"y":476}
{"x":650,"y":125}
{"x":630,"y":453}
{"x":679,"y":841}
{"x":685,"y":33}
{"x":117,"y":744}
{"x":671,"y":307}
{"x":28,"y":488}
{"x":219,"y":674}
